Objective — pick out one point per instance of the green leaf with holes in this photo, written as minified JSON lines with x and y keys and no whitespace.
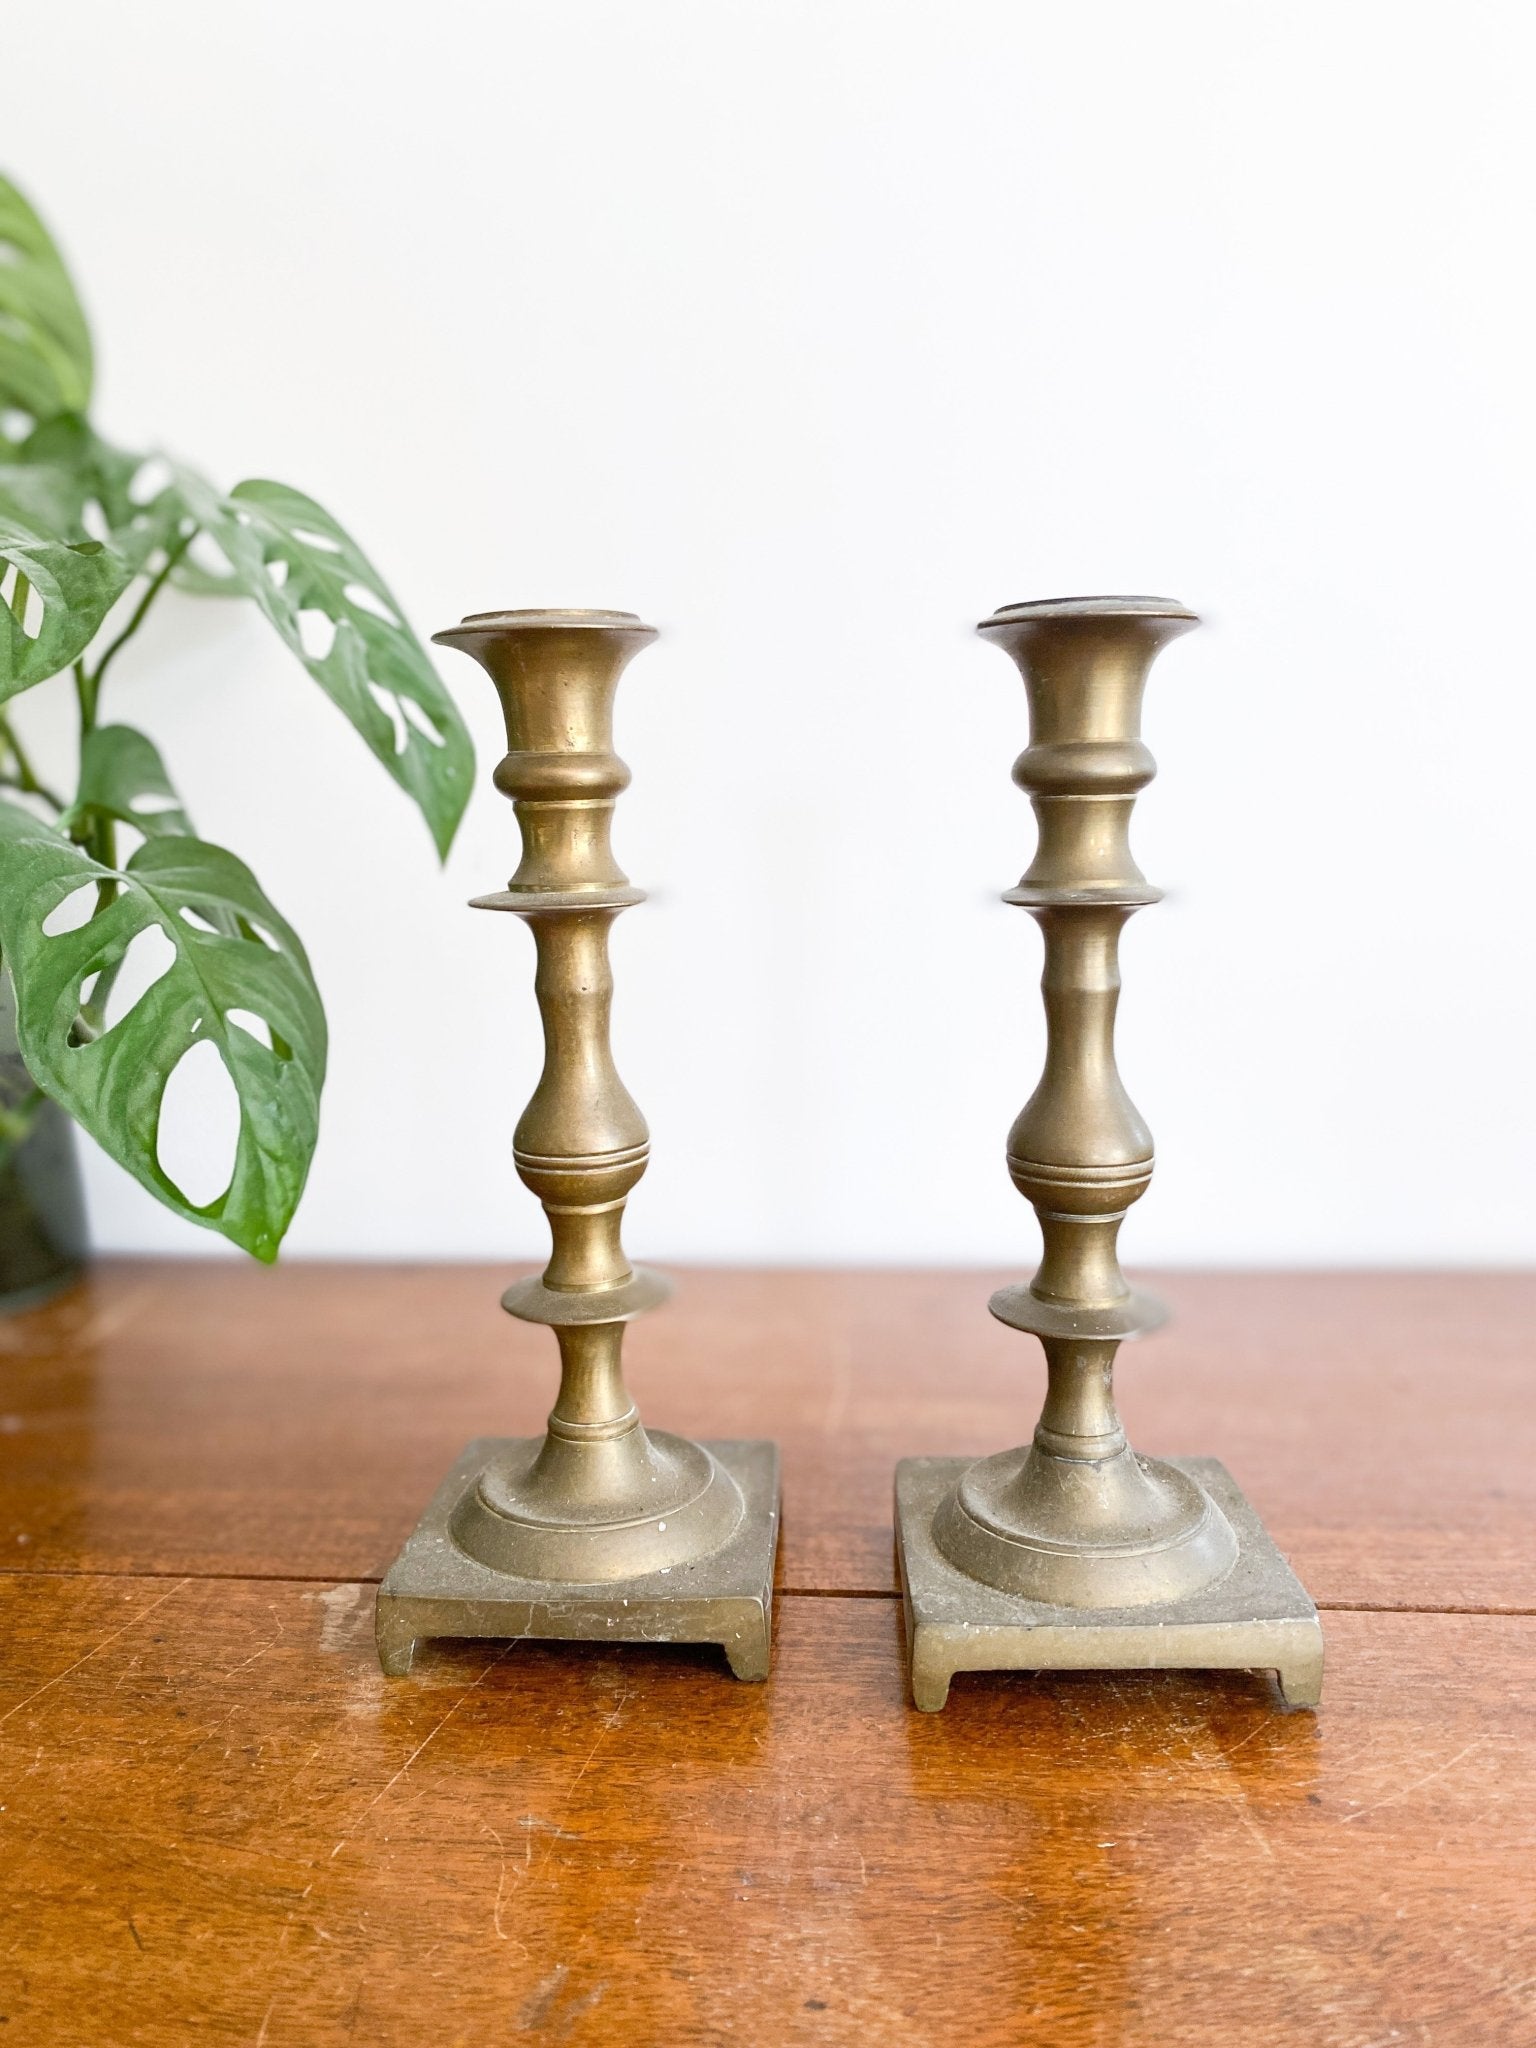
{"x":45,"y":345}
{"x":70,"y":586}
{"x":123,"y":777}
{"x":72,"y":476}
{"x":44,"y":496}
{"x":205,"y":901}
{"x":336,"y":612}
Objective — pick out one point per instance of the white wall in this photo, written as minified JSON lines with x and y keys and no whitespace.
{"x":813,"y":331}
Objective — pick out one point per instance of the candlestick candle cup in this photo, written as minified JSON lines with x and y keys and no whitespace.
{"x":1072,"y":1552}
{"x":600,"y":1529}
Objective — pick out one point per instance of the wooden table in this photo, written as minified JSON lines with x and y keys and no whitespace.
{"x":220,"y":1823}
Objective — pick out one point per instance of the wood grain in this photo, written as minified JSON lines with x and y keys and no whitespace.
{"x":217,"y":1820}
{"x":202,"y":1417}
{"x":220,"y":1823}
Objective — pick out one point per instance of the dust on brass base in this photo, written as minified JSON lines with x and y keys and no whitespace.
{"x":1257,"y":1617}
{"x":724,"y":1596}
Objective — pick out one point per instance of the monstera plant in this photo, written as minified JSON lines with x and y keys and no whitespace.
{"x":91,"y":537}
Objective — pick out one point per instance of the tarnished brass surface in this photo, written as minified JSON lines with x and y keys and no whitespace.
{"x":598,"y":1504}
{"x":1254,"y":1617}
{"x":1075,"y":1520}
{"x":436,"y":1588}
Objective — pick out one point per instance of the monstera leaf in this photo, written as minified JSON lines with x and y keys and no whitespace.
{"x":45,"y":345}
{"x":337,"y":614}
{"x":235,"y":965}
{"x":122,"y":777}
{"x":66,"y":474}
{"x":43,"y":495}
{"x":70,"y":588}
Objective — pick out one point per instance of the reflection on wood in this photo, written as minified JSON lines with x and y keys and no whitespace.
{"x":188,"y":1417}
{"x":217,"y":1820}
{"x":216,"y":1807}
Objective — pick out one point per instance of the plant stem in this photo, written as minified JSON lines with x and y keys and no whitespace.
{"x":98,"y":835}
{"x":26,"y":775}
{"x":92,"y":1020}
{"x":84,"y":699}
{"x":156,"y":584}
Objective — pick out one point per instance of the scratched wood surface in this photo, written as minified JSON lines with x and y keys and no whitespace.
{"x":221,"y":1824}
{"x":218,"y":1822}
{"x":202,"y":1417}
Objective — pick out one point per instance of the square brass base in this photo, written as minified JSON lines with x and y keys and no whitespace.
{"x":1257,"y":1618}
{"x":434,"y":1589}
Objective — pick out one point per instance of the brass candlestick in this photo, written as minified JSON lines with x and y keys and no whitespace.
{"x":1072,"y":1552}
{"x":599,"y":1529}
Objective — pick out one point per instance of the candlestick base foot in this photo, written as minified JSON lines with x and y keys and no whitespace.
{"x":724,"y":1596}
{"x":1257,"y":1617}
